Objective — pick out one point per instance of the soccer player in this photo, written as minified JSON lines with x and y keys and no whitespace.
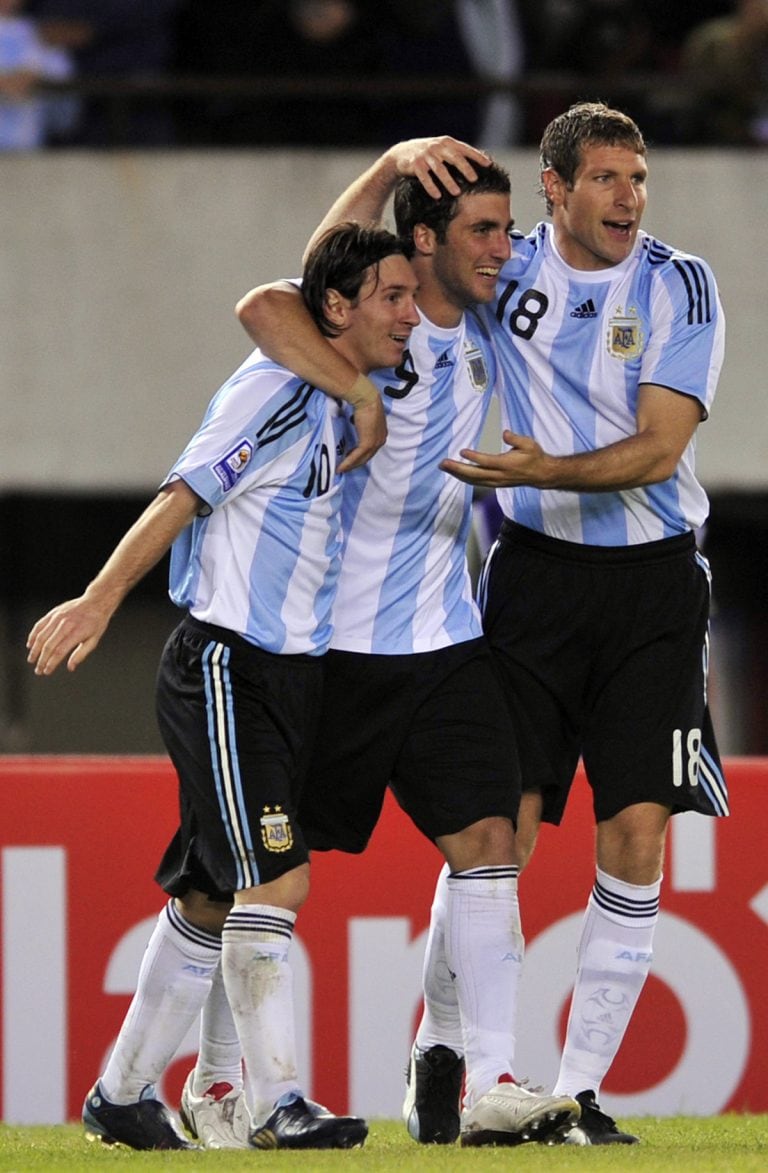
{"x":611,"y":344}
{"x":595,"y":597}
{"x":251,"y":508}
{"x":411,"y":697}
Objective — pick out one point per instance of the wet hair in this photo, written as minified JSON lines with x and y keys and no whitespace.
{"x":413,"y":205}
{"x":586,"y":124}
{"x":340,"y":260}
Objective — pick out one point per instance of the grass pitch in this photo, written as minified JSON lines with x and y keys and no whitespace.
{"x":718,"y":1144}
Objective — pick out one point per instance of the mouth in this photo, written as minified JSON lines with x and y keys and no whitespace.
{"x":489,"y":272}
{"x":619,"y":228}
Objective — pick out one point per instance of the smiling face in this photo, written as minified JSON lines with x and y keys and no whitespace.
{"x":596,"y":218}
{"x":377,"y":325}
{"x":465,"y":265}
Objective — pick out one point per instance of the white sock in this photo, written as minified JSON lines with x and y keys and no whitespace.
{"x":220,"y":1058}
{"x":259,"y":985}
{"x":614,"y":958}
{"x":174,"y":982}
{"x":440,"y":1021}
{"x":484,"y":949}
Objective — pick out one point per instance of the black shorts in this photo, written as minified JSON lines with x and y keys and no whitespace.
{"x":237,"y":723}
{"x":603,"y":652}
{"x":433,"y":725}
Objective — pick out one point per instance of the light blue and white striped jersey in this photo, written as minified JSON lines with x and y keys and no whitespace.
{"x":574,"y":346}
{"x":404,"y":584}
{"x":264,"y":559}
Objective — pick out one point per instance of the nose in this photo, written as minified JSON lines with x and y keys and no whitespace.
{"x":625,"y":193}
{"x":410,"y":314}
{"x":502,"y":247}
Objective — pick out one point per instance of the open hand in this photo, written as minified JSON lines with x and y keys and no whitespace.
{"x":73,"y":627}
{"x":426,"y":158}
{"x":525,"y":463}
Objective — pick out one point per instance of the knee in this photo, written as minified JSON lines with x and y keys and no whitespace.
{"x":630,"y":846}
{"x":288,"y":891}
{"x":487,"y":843}
{"x":203,"y":912}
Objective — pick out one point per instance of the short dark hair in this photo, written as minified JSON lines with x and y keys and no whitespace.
{"x":585,"y":124}
{"x":413,"y":205}
{"x":339,"y":260}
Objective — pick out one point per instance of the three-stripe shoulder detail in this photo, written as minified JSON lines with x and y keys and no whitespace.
{"x":289,"y":415}
{"x":696,"y":283}
{"x":658,"y":253}
{"x":693,"y":275}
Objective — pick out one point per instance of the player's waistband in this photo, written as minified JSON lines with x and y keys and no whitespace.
{"x":659,"y":551}
{"x":232,"y":639}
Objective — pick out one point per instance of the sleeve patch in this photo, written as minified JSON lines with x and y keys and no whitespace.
{"x":232,"y":466}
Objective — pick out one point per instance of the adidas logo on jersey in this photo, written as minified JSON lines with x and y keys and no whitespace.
{"x":585,"y":310}
{"x":444,"y":360}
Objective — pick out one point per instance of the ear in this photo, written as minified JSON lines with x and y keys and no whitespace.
{"x":424,"y":240}
{"x":554,"y":186}
{"x":336,"y":307}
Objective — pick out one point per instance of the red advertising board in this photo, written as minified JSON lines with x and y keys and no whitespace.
{"x":79,"y":842}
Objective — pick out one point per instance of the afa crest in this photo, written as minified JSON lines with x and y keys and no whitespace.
{"x":276,"y":832}
{"x":625,"y":335}
{"x":478,"y":371}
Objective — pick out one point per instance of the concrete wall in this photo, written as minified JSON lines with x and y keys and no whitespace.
{"x":119,"y":274}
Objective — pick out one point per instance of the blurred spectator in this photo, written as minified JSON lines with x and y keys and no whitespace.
{"x":604,"y":42}
{"x":461,"y":41}
{"x":590,"y":48}
{"x":345,"y":40}
{"x":28,"y":119}
{"x":725,"y":62}
{"x":113,"y":40}
{"x":334,"y":39}
{"x":672,"y":22}
{"x":467,"y":40}
{"x":493,"y":35}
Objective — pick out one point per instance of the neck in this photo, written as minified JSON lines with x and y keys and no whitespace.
{"x":434,"y":302}
{"x":343,"y":346}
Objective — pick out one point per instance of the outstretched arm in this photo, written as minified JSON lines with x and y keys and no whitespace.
{"x":75,"y":628}
{"x":666,"y":422}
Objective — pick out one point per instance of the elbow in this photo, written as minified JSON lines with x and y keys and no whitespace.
{"x":663,"y":453}
{"x":242,"y":308}
{"x":664,"y":467}
{"x":258,"y":312}
{"x":266,"y":304}
{"x":667,"y":470}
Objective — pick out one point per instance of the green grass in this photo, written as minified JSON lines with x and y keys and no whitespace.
{"x":718,"y":1144}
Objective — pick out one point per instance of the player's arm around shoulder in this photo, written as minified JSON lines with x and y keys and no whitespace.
{"x":74,"y":628}
{"x":275,"y":317}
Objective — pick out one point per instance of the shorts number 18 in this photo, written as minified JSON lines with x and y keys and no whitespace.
{"x":685,"y":757}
